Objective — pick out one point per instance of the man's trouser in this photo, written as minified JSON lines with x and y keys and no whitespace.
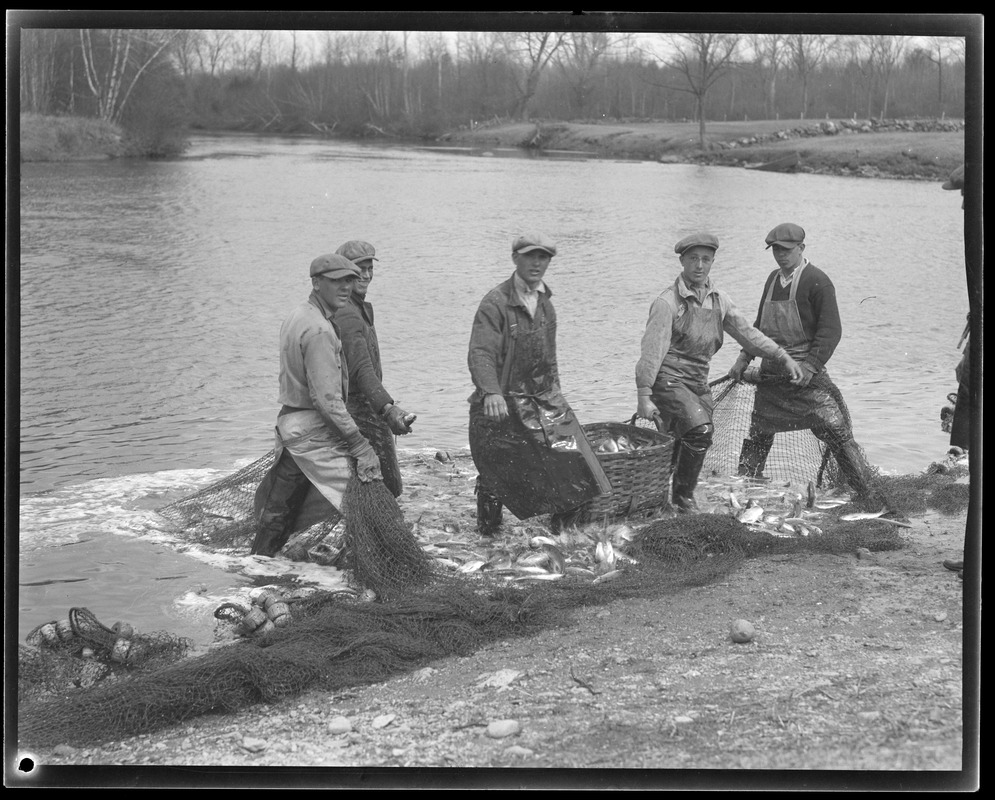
{"x":689,"y":455}
{"x":753,"y":456}
{"x":289,"y":487}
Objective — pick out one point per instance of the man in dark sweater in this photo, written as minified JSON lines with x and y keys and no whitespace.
{"x":798,"y":310}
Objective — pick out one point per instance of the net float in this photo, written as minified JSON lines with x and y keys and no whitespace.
{"x":251,"y":621}
{"x":48,"y":633}
{"x":120,"y":651}
{"x":123,"y":629}
{"x":265,"y":628}
{"x":271,"y":599}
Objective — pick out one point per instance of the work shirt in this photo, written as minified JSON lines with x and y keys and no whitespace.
{"x":818,"y":311}
{"x":501,"y":317}
{"x":530,"y":296}
{"x":313,"y":372}
{"x":362,"y":353}
{"x":671,"y":305}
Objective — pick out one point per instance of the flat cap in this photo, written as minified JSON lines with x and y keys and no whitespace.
{"x":696,"y":240}
{"x":787,"y":234}
{"x":334,"y":266}
{"x":358,"y":250}
{"x":527,"y":242}
{"x":956,"y":179}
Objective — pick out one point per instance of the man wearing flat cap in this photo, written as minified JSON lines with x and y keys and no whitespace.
{"x":798,"y":310}
{"x":685,"y":329}
{"x":369,"y":403}
{"x":318,"y":444}
{"x":530,"y":451}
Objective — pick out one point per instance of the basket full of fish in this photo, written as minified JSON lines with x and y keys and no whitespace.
{"x":638,"y":462}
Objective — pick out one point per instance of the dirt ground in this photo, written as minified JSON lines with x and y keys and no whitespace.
{"x":856,"y":671}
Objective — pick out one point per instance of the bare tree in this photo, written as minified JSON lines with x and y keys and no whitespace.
{"x":581,"y":59}
{"x":885,"y":53}
{"x":808,"y":54}
{"x":702,"y":58}
{"x":769,"y":54}
{"x":114,"y":65}
{"x":532,"y":51}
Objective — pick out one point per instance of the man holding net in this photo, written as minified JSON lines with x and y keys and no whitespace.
{"x":317,"y":441}
{"x":369,"y":403}
{"x":530,"y":451}
{"x":798,"y":310}
{"x":684,"y":330}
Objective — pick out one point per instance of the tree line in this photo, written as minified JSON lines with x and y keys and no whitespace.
{"x":357,"y":83}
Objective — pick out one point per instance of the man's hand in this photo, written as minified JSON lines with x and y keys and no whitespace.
{"x":399,"y":420}
{"x":808,"y":372}
{"x":646,"y":408}
{"x":799,"y":377}
{"x":495,"y":406}
{"x":739,"y":367}
{"x":368,"y":467}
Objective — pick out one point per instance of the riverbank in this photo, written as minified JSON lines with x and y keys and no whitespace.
{"x":925,"y":150}
{"x":915,"y":150}
{"x":857,"y":664}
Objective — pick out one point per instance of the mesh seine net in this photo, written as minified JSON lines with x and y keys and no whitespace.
{"x":419,"y":597}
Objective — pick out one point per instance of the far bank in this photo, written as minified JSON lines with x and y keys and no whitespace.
{"x":925,"y":150}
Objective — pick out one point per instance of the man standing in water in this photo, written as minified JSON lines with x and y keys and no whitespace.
{"x":798,"y":310}
{"x":530,"y":451}
{"x":317,"y":442}
{"x":684,"y":330}
{"x":369,"y":403}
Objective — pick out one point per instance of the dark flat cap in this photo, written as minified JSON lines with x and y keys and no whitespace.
{"x":787,"y":234}
{"x":696,"y":240}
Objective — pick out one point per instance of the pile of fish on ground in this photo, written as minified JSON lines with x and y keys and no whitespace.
{"x":455,"y":596}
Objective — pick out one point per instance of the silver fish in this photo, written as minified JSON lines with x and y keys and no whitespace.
{"x":608,"y":576}
{"x":859,"y":515}
{"x":545,"y":576}
{"x":750,"y":515}
{"x":472,"y":566}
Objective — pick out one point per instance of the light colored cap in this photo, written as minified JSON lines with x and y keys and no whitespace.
{"x":527,"y":242}
{"x":358,"y":250}
{"x":787,"y":234}
{"x":696,"y":240}
{"x":334,"y":266}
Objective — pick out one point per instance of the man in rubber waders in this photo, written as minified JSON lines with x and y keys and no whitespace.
{"x":685,"y":329}
{"x":798,"y":310}
{"x":530,"y":451}
{"x":318,"y":444}
{"x":369,"y":403}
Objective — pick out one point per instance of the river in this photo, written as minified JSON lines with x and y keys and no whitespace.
{"x":151,"y":296}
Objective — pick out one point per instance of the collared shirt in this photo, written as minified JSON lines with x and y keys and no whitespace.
{"x":670,"y":306}
{"x":785,"y":282}
{"x":528,"y":295}
{"x":312,"y":368}
{"x":362,"y":353}
{"x":490,"y":337}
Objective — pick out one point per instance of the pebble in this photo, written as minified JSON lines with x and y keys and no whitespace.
{"x":337,"y":725}
{"x":384,"y":720}
{"x":518,"y":751}
{"x":682,"y":720}
{"x":501,"y":728}
{"x":741,"y":631}
{"x":940,"y":616}
{"x":869,"y":716}
{"x":254,"y":745}
{"x":64,"y":750}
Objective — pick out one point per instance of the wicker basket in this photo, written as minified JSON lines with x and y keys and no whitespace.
{"x":640,"y":478}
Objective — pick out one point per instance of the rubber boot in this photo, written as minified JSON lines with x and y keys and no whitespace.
{"x":691,"y":456}
{"x":753,"y":456}
{"x":489,"y":512}
{"x":286,"y":496}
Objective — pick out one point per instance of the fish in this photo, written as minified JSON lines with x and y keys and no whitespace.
{"x":734,"y":501}
{"x":786,"y":528}
{"x":536,"y":542}
{"x":545,"y":576}
{"x":555,"y":559}
{"x":859,"y":515}
{"x":472,"y":566}
{"x":811,"y":494}
{"x":797,"y":506}
{"x":608,"y":576}
{"x":581,"y":572}
{"x":609,"y":445}
{"x":623,"y":443}
{"x":604,"y":552}
{"x":751,"y":514}
{"x":827,"y":505}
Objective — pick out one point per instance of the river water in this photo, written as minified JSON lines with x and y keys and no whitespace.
{"x":151,"y":296}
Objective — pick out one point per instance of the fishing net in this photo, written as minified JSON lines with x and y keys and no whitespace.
{"x":796,"y":456}
{"x":423,"y":612}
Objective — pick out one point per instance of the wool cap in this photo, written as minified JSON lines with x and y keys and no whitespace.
{"x":358,"y":250}
{"x":527,"y":242}
{"x":787,"y":234}
{"x":956,"y":179}
{"x":334,"y":266}
{"x":696,"y":240}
